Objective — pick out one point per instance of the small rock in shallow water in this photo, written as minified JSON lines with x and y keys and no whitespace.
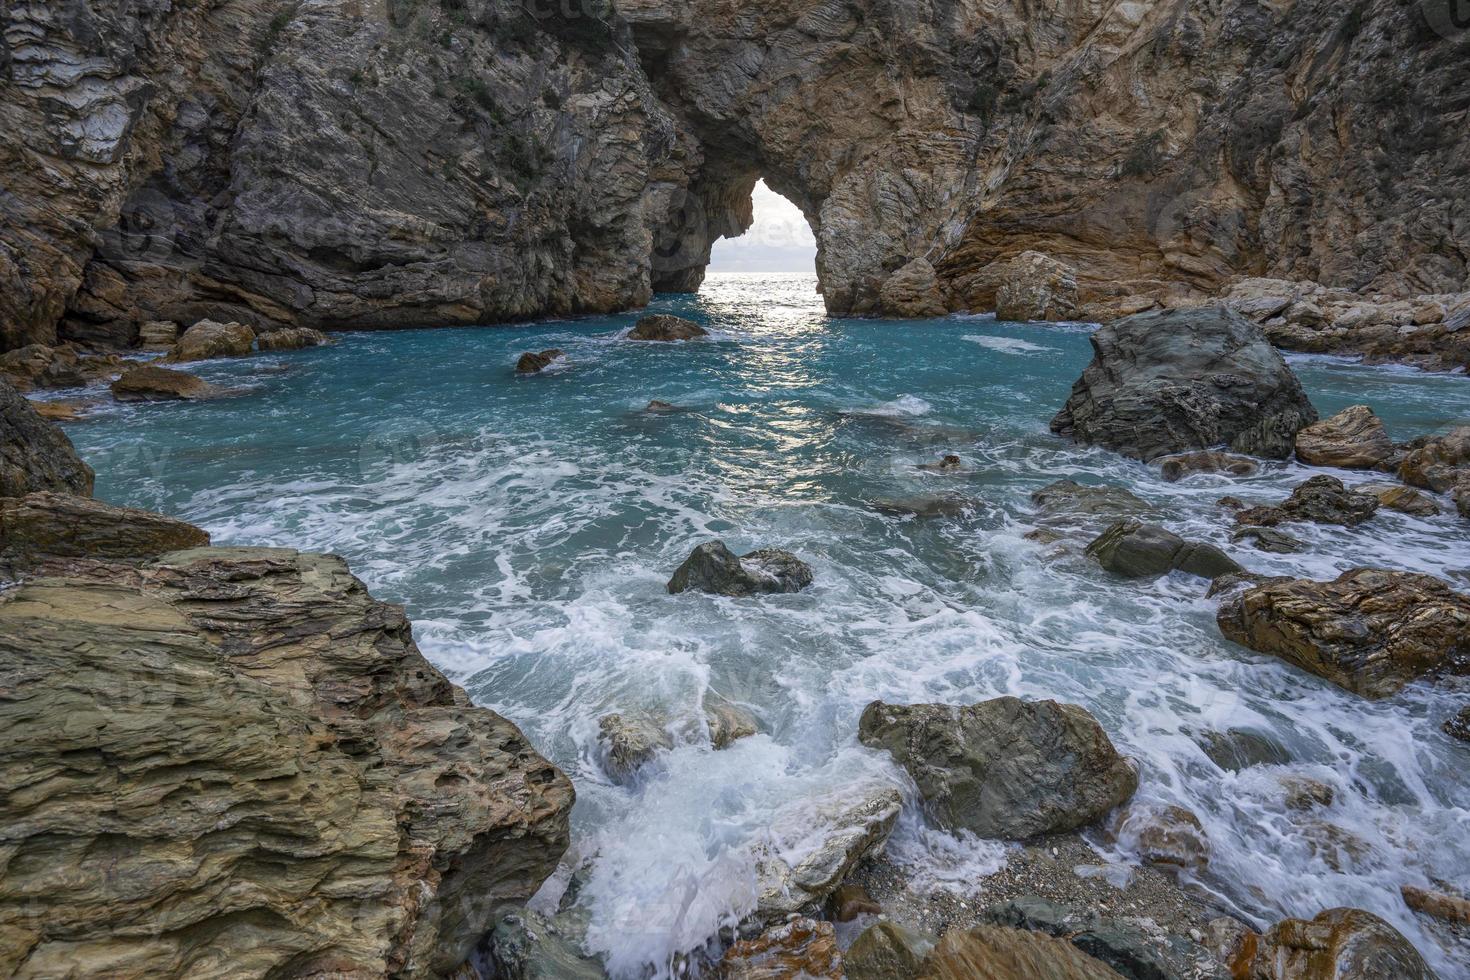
{"x":728,"y":722}
{"x":1339,"y":944}
{"x":1236,"y":749}
{"x":886,"y":951}
{"x":1459,"y":725}
{"x":629,"y":742}
{"x":1163,"y":835}
{"x":291,"y":338}
{"x":1354,"y":438}
{"x":1322,"y":500}
{"x":150,"y":383}
{"x":712,"y":567}
{"x":801,"y":949}
{"x":925,"y":506}
{"x":1439,"y":463}
{"x":1136,"y":550}
{"x":209,"y":339}
{"x":1306,"y":793}
{"x":659,"y":406}
{"x":1004,"y":768}
{"x":1440,"y":905}
{"x":836,"y":834}
{"x":533,"y":362}
{"x":946,"y":464}
{"x":1369,"y":630}
{"x":1268,"y":539}
{"x":1406,"y":500}
{"x":1175,"y":468}
{"x":1069,"y":498}
{"x":663,"y":327}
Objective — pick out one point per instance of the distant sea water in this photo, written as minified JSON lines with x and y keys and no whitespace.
{"x":530,"y":525}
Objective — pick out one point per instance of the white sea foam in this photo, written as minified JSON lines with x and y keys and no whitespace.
{"x":1007,"y":345}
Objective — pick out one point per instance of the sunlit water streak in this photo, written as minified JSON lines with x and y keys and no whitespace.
{"x":530,"y":525}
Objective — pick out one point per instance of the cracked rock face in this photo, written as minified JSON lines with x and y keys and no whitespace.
{"x":34,"y":453}
{"x":273,"y":777}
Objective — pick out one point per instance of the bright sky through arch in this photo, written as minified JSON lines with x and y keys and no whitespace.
{"x":780,"y":240}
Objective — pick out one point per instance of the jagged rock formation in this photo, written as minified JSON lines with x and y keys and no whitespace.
{"x":376,"y":163}
{"x":34,"y":453}
{"x":229,"y":760}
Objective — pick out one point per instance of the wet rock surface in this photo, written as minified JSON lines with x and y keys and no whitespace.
{"x":1004,"y":768}
{"x":629,"y":742}
{"x":1354,"y":438}
{"x":1339,"y":944}
{"x":1163,"y":835}
{"x":1405,"y":500}
{"x":712,"y":567}
{"x":1069,"y":499}
{"x":1010,"y":954}
{"x":1370,"y":631}
{"x":1175,"y":468}
{"x":1321,"y":499}
{"x":150,"y":383}
{"x":1137,"y":550}
{"x":208,"y":339}
{"x":1268,"y":539}
{"x":282,"y":747}
{"x":1442,"y":464}
{"x":795,"y":950}
{"x":663,"y":327}
{"x":34,"y":453}
{"x":912,"y":292}
{"x":1459,"y":725}
{"x":37,"y":366}
{"x":1162,"y":383}
{"x":291,"y":338}
{"x":534,"y":362}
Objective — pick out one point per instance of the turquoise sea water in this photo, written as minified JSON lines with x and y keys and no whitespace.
{"x":530,"y":525}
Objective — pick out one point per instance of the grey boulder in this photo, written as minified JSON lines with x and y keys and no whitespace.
{"x":1180,"y":380}
{"x":34,"y":453}
{"x":712,"y":567}
{"x":1004,"y":768}
{"x":1137,"y":550}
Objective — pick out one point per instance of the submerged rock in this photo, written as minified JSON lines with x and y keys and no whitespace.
{"x":45,"y":525}
{"x":842,"y":831}
{"x":1069,"y":498}
{"x":526,"y":945}
{"x":727,"y":723}
{"x":1354,"y":438}
{"x":1004,"y":768}
{"x":34,"y":453}
{"x":886,"y":951}
{"x":946,"y":464}
{"x":712,"y":567}
{"x":1237,"y":749}
{"x":629,"y":742}
{"x":208,"y":339}
{"x":1459,"y":725}
{"x":1268,"y":539}
{"x":1176,"y":468}
{"x":925,"y":506}
{"x":1369,"y":630}
{"x":801,"y":949}
{"x":664,"y":327}
{"x":1339,"y":944}
{"x":1306,"y":793}
{"x":1163,"y":835}
{"x":291,"y":338}
{"x":1179,"y":380}
{"x":1322,"y":500}
{"x":1035,"y":287}
{"x":247,"y":728}
{"x":1136,"y":550}
{"x":533,"y":362}
{"x":150,"y":383}
{"x":660,"y":406}
{"x":1439,"y":905}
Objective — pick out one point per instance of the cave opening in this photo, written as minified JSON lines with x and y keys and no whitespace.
{"x":779,"y":239}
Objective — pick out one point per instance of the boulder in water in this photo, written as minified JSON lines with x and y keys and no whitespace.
{"x":1268,"y":539}
{"x":1179,"y":380}
{"x":1004,"y":768}
{"x":666,"y":327}
{"x":1175,"y":468}
{"x":1405,"y":500}
{"x":209,"y":339}
{"x":1237,"y":749}
{"x":1339,"y":944}
{"x":1459,"y":725}
{"x":886,"y":951}
{"x":1369,"y":630}
{"x":533,"y":362}
{"x":1136,"y":550}
{"x":34,"y":453}
{"x":945,"y":464}
{"x":38,"y":366}
{"x":1354,"y":438}
{"x":801,"y":949}
{"x":836,"y":835}
{"x":151,"y":383}
{"x":1165,"y":835}
{"x":712,"y":567}
{"x":1322,"y":500}
{"x":660,"y":406}
{"x":1067,"y":498}
{"x":925,"y":506}
{"x":291,"y":338}
{"x":1001,"y":953}
{"x":629,"y":742}
{"x":727,"y":723}
{"x":1440,"y":463}
{"x":912,"y":292}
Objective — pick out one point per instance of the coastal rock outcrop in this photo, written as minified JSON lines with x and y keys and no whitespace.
{"x":36,"y":366}
{"x":665,"y":327}
{"x":712,"y":567}
{"x":1162,"y":383}
{"x":1354,"y":438}
{"x":912,"y":292}
{"x":1004,"y":768}
{"x":1442,"y":464}
{"x":1322,"y":500}
{"x":247,"y":736}
{"x":34,"y":453}
{"x":207,"y":340}
{"x":1136,"y":550}
{"x":151,"y":383}
{"x":1369,"y":630}
{"x":1339,"y":944}
{"x":534,"y":362}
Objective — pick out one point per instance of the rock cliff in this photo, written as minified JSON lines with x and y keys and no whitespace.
{"x":374,"y":163}
{"x":230,"y":761}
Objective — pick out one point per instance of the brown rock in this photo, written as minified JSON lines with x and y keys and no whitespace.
{"x":46,"y":525}
{"x":912,"y":292}
{"x":1174,"y":468}
{"x":1163,"y":835}
{"x":150,"y":383}
{"x":158,"y":335}
{"x":1406,"y":500}
{"x":37,"y":366}
{"x":728,"y":722}
{"x":291,"y":338}
{"x":61,"y":411}
{"x":663,"y":327}
{"x":207,"y":339}
{"x":1440,"y":905}
{"x":946,"y":464}
{"x":34,"y":453}
{"x":234,"y":729}
{"x":1369,"y":630}
{"x":1459,"y":726}
{"x":629,"y":742}
{"x":1354,"y":438}
{"x":1440,"y":463}
{"x":533,"y":362}
{"x":1036,"y":287}
{"x":802,"y":949}
{"x":1339,"y":944}
{"x":848,"y":902}
{"x":1306,"y":793}
{"x":999,"y":953}
{"x":1322,"y":499}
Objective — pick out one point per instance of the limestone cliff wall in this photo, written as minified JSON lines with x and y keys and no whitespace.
{"x":366,"y":163}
